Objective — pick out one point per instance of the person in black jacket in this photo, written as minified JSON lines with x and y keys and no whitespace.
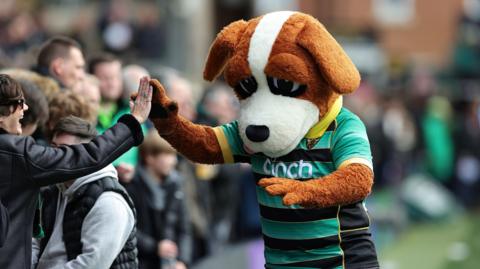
{"x":163,"y":227}
{"x":26,"y":166}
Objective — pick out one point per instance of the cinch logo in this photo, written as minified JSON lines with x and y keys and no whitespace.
{"x":298,"y":169}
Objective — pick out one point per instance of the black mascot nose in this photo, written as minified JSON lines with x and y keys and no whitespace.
{"x":257,"y":133}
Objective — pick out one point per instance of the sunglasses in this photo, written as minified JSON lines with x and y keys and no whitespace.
{"x":16,"y":103}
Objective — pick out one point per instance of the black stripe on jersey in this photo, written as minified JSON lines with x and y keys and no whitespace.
{"x":353,"y":216}
{"x":258,"y":176}
{"x":241,"y":159}
{"x":359,"y":249}
{"x":304,"y":244}
{"x":297,"y":215}
{"x":327,"y":263}
{"x":319,"y":155}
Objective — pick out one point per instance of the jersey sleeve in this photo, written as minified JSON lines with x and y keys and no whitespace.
{"x":350,"y":144}
{"x":230,"y":142}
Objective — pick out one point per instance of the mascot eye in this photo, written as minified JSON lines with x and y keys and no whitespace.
{"x":285,"y":87}
{"x":246,"y":87}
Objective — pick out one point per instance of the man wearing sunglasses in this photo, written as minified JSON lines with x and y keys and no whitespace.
{"x":26,"y":166}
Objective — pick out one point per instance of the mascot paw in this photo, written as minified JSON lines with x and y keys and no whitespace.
{"x":162,"y":106}
{"x":293,"y":191}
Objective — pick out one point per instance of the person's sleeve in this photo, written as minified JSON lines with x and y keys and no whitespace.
{"x":35,"y":251}
{"x":105,"y":230}
{"x":49,"y":165}
{"x":350,"y":144}
{"x":230,"y":143}
{"x":131,"y":156}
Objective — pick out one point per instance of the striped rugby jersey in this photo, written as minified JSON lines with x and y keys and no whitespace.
{"x":295,"y":237}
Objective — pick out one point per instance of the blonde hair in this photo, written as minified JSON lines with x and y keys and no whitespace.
{"x":68,"y":103}
{"x":47,"y":85}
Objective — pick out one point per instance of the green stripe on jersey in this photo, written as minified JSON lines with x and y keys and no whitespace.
{"x":274,"y":256}
{"x":300,"y":230}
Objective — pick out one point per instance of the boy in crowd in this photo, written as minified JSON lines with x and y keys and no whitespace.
{"x":164,"y":235}
{"x":77,"y":215}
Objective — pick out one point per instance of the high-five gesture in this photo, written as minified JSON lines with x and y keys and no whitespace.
{"x":141,"y":102}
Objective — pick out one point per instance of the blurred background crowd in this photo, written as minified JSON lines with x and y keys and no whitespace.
{"x":419,"y":98}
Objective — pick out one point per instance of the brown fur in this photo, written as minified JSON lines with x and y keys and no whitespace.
{"x":237,"y":68}
{"x":196,"y":142}
{"x":288,"y":60}
{"x":335,"y":65}
{"x":344,"y":186}
{"x":222,"y":49}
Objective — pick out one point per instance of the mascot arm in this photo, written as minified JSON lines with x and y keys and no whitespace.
{"x":350,"y":183}
{"x":196,"y":142}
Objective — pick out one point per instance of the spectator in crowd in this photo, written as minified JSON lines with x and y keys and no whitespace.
{"x":20,"y":33}
{"x":37,"y":113}
{"x":61,"y":58}
{"x":163,"y":226}
{"x":27,"y":166}
{"x":115,"y":25}
{"x":131,"y":75}
{"x":219,"y":105}
{"x":68,"y":103}
{"x":90,"y":91}
{"x":77,"y":215}
{"x":108,"y":69}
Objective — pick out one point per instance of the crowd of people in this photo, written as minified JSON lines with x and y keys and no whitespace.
{"x":173,"y":211}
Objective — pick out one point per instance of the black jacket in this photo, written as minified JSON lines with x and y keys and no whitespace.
{"x":161,"y":214}
{"x":3,"y":223}
{"x":26,"y":166}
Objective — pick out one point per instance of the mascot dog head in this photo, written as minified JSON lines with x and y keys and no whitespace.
{"x":287,"y":71}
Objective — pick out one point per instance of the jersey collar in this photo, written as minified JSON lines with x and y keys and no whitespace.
{"x":320,"y":127}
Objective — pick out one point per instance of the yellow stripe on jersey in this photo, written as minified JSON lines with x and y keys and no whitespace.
{"x":363,"y":161}
{"x":222,"y":140}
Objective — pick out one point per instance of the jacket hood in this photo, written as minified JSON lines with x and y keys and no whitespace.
{"x":108,"y":171}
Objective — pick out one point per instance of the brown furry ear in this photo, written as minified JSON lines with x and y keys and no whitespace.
{"x":222,"y":49}
{"x":334,"y":64}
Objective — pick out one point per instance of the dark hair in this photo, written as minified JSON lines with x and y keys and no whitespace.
{"x":36,"y":101}
{"x":55,"y":47}
{"x":99,"y":59}
{"x":10,"y":91}
{"x":75,"y":126}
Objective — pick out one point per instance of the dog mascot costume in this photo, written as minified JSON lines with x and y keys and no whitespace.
{"x":311,"y":157}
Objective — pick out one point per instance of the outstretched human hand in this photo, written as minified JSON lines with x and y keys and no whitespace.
{"x":141,"y":102}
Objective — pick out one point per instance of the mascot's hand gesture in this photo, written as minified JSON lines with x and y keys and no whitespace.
{"x":327,"y":191}
{"x":293,"y":191}
{"x":162,"y":106}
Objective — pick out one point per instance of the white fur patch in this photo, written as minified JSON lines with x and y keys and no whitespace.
{"x":262,"y":42}
{"x":287,"y":118}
